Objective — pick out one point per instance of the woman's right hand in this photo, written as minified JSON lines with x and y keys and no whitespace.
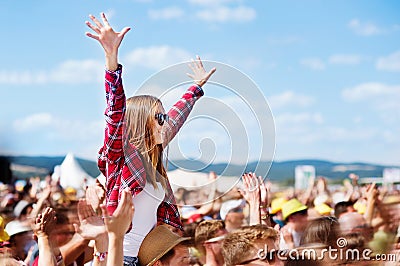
{"x":108,"y":38}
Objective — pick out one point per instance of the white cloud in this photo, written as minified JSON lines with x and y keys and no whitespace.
{"x":67,"y":72}
{"x":224,"y":14}
{"x":58,"y":127}
{"x":283,"y":40}
{"x":157,"y":57}
{"x":371,"y":90}
{"x":33,"y":122}
{"x":389,"y":63}
{"x":313,"y":63}
{"x":289,"y":99}
{"x":345,"y":59}
{"x":364,"y":29}
{"x":166,"y":13}
{"x":381,"y":97}
{"x":210,"y":2}
{"x":298,"y":128}
{"x":298,"y":118}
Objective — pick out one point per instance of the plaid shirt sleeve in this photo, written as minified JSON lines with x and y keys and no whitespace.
{"x":111,"y":155}
{"x":168,"y":211}
{"x":114,"y":115}
{"x":180,"y":111}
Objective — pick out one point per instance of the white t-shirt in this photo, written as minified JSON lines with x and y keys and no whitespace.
{"x":145,"y":217}
{"x":296,"y":240}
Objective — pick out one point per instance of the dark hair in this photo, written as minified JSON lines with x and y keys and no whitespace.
{"x":323,"y":230}
{"x":341,"y":207}
{"x":302,"y":212}
{"x":62,"y":218}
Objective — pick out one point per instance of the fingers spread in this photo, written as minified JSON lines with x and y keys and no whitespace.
{"x":96,"y":21}
{"x":95,"y":29}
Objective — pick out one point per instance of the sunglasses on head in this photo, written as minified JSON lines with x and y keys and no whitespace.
{"x":161,"y":118}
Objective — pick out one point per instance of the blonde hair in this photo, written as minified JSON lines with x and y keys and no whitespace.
{"x":206,"y":230}
{"x":139,"y":131}
{"x":239,"y":244}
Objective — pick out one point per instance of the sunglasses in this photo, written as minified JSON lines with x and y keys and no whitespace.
{"x":161,"y":118}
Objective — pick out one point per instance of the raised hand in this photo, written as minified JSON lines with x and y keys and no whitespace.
{"x":44,"y":223}
{"x":95,"y":195}
{"x":108,"y":38}
{"x":251,"y":191}
{"x":199,"y":76}
{"x":264,"y":191}
{"x":91,"y":226}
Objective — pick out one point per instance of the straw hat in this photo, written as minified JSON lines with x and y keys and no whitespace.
{"x":3,"y":234}
{"x":276,"y":205}
{"x":292,"y":206}
{"x":157,"y":243}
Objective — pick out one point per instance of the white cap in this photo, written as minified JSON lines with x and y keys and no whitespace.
{"x":21,"y":205}
{"x":229,"y":205}
{"x":16,"y":227}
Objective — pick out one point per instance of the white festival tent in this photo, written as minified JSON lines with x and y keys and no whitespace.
{"x":191,"y":180}
{"x":71,"y":174}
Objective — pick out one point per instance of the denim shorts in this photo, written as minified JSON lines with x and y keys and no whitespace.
{"x":131,"y":261}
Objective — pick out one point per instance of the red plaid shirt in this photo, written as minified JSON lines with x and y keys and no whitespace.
{"x":125,"y":169}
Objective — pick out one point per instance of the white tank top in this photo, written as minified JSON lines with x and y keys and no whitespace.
{"x":145,"y":217}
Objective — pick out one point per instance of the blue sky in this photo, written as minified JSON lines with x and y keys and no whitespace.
{"x":330,"y":71}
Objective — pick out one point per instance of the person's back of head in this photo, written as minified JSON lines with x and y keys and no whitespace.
{"x":351,"y":221}
{"x":343,"y":207}
{"x":242,"y":246}
{"x":354,"y":222}
{"x":206,"y":230}
{"x":323,"y":230}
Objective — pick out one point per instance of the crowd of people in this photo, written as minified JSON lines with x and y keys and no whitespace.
{"x":135,"y":218}
{"x":252,"y":224}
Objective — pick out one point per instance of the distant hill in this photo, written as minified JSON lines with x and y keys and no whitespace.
{"x":26,"y":166}
{"x":45,"y":165}
{"x":285,"y":169}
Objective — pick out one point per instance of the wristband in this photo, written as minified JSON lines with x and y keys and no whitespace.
{"x":101,"y":256}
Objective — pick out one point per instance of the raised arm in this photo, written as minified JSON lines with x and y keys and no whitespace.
{"x":114,"y":113}
{"x":42,"y":227}
{"x":116,"y":226}
{"x":181,"y":110}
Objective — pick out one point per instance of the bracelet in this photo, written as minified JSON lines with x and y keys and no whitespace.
{"x":264,"y":216}
{"x":101,"y":256}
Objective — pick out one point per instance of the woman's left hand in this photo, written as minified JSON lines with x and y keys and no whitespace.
{"x":199,"y":76}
